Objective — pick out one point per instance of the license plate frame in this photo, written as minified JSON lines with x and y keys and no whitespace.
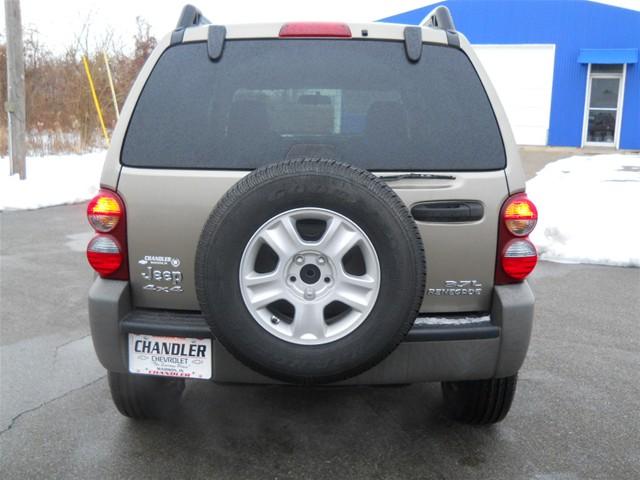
{"x":177,"y":357}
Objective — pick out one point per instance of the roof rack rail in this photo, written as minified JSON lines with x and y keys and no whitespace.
{"x":439,"y":17}
{"x":190,"y":17}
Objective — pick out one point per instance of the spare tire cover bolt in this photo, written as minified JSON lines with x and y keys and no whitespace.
{"x":299,"y":260}
{"x":309,"y":294}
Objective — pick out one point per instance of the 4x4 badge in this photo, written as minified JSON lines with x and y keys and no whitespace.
{"x":160,"y":288}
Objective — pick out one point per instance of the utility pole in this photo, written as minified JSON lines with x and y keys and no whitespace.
{"x":16,"y":105}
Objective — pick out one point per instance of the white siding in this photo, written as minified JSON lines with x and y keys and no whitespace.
{"x":523,"y":78}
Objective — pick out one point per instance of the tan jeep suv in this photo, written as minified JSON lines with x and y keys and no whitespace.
{"x":312,"y":203}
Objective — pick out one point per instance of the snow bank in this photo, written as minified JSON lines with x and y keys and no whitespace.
{"x":51,"y":180}
{"x":589,"y":210}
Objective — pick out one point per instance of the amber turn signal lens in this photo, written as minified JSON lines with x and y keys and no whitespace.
{"x":104,"y":211}
{"x":520,"y":216}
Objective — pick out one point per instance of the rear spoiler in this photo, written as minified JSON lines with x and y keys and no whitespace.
{"x":439,"y":17}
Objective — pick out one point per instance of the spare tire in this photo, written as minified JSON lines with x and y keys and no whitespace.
{"x":310,"y":270}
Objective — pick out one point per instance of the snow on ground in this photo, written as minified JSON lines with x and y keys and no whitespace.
{"x":51,"y":180}
{"x":589,"y":210}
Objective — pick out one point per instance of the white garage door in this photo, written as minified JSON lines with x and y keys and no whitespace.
{"x":523,"y":77}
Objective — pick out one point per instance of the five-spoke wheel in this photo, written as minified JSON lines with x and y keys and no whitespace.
{"x":309,"y":276}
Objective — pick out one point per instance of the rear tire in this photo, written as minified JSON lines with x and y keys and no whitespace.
{"x":143,"y":397}
{"x":479,"y":402}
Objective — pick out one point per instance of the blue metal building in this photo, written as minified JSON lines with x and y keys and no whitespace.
{"x":595,"y":97}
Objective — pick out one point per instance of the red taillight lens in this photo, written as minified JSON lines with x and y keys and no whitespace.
{"x":104,"y":254}
{"x":107,"y":254}
{"x":315,"y":29}
{"x":520,"y":215}
{"x":104,"y":211}
{"x":517,"y":256}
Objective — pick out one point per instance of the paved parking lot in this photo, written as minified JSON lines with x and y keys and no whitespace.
{"x":575,"y":415}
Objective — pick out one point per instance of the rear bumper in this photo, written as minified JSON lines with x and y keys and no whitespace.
{"x":442,"y":348}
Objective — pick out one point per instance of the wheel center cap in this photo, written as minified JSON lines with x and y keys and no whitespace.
{"x":310,"y":274}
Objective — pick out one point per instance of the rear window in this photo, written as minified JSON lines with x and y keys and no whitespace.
{"x":359,"y":101}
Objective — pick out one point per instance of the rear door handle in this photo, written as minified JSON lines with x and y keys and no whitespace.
{"x":450,"y":211}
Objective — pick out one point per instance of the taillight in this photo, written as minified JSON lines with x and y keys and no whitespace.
{"x":104,"y":211}
{"x":107,"y":252}
{"x":315,"y":29}
{"x":517,"y":256}
{"x":520,"y":215}
{"x":104,"y":254}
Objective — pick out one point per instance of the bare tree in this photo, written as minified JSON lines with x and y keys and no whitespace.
{"x":60,"y":112}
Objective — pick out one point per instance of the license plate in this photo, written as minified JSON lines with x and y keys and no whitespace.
{"x":170,"y":356}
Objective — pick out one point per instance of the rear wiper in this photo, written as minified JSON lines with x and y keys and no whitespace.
{"x":424,"y":176}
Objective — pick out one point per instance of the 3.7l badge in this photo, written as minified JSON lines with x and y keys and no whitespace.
{"x":457,"y":287}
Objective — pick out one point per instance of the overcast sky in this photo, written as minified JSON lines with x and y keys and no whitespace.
{"x":59,"y":21}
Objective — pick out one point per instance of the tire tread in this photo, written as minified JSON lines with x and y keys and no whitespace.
{"x":479,"y":402}
{"x":140,"y":397}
